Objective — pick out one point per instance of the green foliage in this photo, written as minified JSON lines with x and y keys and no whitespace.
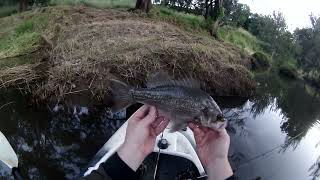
{"x":308,"y":50}
{"x":236,"y":14}
{"x":24,"y":27}
{"x":240,"y":38}
{"x":185,"y":20}
{"x":260,"y":61}
{"x":97,"y":3}
{"x":308,"y":46}
{"x":8,"y":10}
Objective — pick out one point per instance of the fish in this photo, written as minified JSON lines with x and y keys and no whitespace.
{"x":181,"y":101}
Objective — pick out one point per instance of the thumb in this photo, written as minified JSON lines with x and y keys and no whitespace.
{"x":197,"y":132}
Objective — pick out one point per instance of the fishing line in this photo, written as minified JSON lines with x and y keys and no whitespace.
{"x":267,"y":152}
{"x":158,"y":156}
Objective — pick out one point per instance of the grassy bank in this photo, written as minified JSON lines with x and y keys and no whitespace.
{"x":88,"y":46}
{"x":21,"y":35}
{"x":97,"y":3}
{"x":187,"y":21}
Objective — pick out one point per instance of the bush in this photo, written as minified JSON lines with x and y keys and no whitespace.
{"x":8,"y":10}
{"x":288,"y":70}
{"x":240,"y":37}
{"x":260,"y":61}
{"x":313,"y":77}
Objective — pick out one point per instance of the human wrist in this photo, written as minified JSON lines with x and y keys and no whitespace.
{"x":219,"y":169}
{"x":131,"y":156}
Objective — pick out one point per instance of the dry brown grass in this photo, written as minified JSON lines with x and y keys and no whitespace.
{"x":91,"y":46}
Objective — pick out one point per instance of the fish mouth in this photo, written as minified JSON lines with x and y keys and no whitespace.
{"x":219,"y":125}
{"x":223,"y":125}
{"x":216,"y":125}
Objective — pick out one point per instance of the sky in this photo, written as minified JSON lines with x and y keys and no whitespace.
{"x":296,"y":12}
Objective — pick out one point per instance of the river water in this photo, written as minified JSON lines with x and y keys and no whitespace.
{"x":274,"y":135}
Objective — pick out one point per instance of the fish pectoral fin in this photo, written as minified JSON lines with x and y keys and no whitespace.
{"x":121,"y":96}
{"x":177,"y":126}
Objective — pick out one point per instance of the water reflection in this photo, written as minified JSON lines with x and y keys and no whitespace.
{"x":54,"y":145}
{"x":286,"y":105}
{"x":300,"y":109}
{"x":315,"y":169}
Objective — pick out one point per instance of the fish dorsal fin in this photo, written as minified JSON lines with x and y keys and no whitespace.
{"x":163,"y":79}
{"x":187,"y":82}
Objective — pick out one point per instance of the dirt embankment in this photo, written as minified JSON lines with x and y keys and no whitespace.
{"x":88,"y":46}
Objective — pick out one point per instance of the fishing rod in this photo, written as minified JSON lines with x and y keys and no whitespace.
{"x":9,"y":157}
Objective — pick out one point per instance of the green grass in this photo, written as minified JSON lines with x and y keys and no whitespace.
{"x":23,"y":36}
{"x":187,"y":21}
{"x":97,"y":3}
{"x":8,"y":10}
{"x":240,"y":38}
{"x":25,"y":27}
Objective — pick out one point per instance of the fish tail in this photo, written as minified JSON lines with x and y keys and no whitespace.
{"x":121,"y":95}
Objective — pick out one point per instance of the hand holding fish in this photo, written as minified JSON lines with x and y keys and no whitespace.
{"x":212,"y":149}
{"x":143,"y":128}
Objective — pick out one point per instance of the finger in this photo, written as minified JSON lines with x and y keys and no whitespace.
{"x":141,"y":112}
{"x":156,"y":122}
{"x":223,"y":133}
{"x":160,"y":128}
{"x":151,"y":116}
{"x":193,"y":125}
{"x":198,"y":135}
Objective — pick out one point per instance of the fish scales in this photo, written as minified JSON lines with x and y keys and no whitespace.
{"x":182,"y":100}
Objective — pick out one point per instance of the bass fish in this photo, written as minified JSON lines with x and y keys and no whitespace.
{"x":181,"y":101}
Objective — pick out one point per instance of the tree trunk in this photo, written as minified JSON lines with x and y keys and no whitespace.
{"x":214,"y":29}
{"x":23,"y":5}
{"x":144,"y":5}
{"x":207,"y":9}
{"x":217,"y":17}
{"x":217,"y":9}
{"x":211,"y":8}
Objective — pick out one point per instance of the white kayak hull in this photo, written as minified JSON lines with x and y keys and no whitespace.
{"x":181,"y":144}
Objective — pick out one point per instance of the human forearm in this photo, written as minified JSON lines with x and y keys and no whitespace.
{"x":131,"y":156}
{"x":219,"y":169}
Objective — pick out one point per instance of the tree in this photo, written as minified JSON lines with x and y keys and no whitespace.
{"x":218,"y":13}
{"x":239,"y":15}
{"x":308,"y":45}
{"x":23,"y":5}
{"x":206,"y":9}
{"x":218,"y":10}
{"x":144,"y":5}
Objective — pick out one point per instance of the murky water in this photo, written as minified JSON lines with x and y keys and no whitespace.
{"x":273,"y":135}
